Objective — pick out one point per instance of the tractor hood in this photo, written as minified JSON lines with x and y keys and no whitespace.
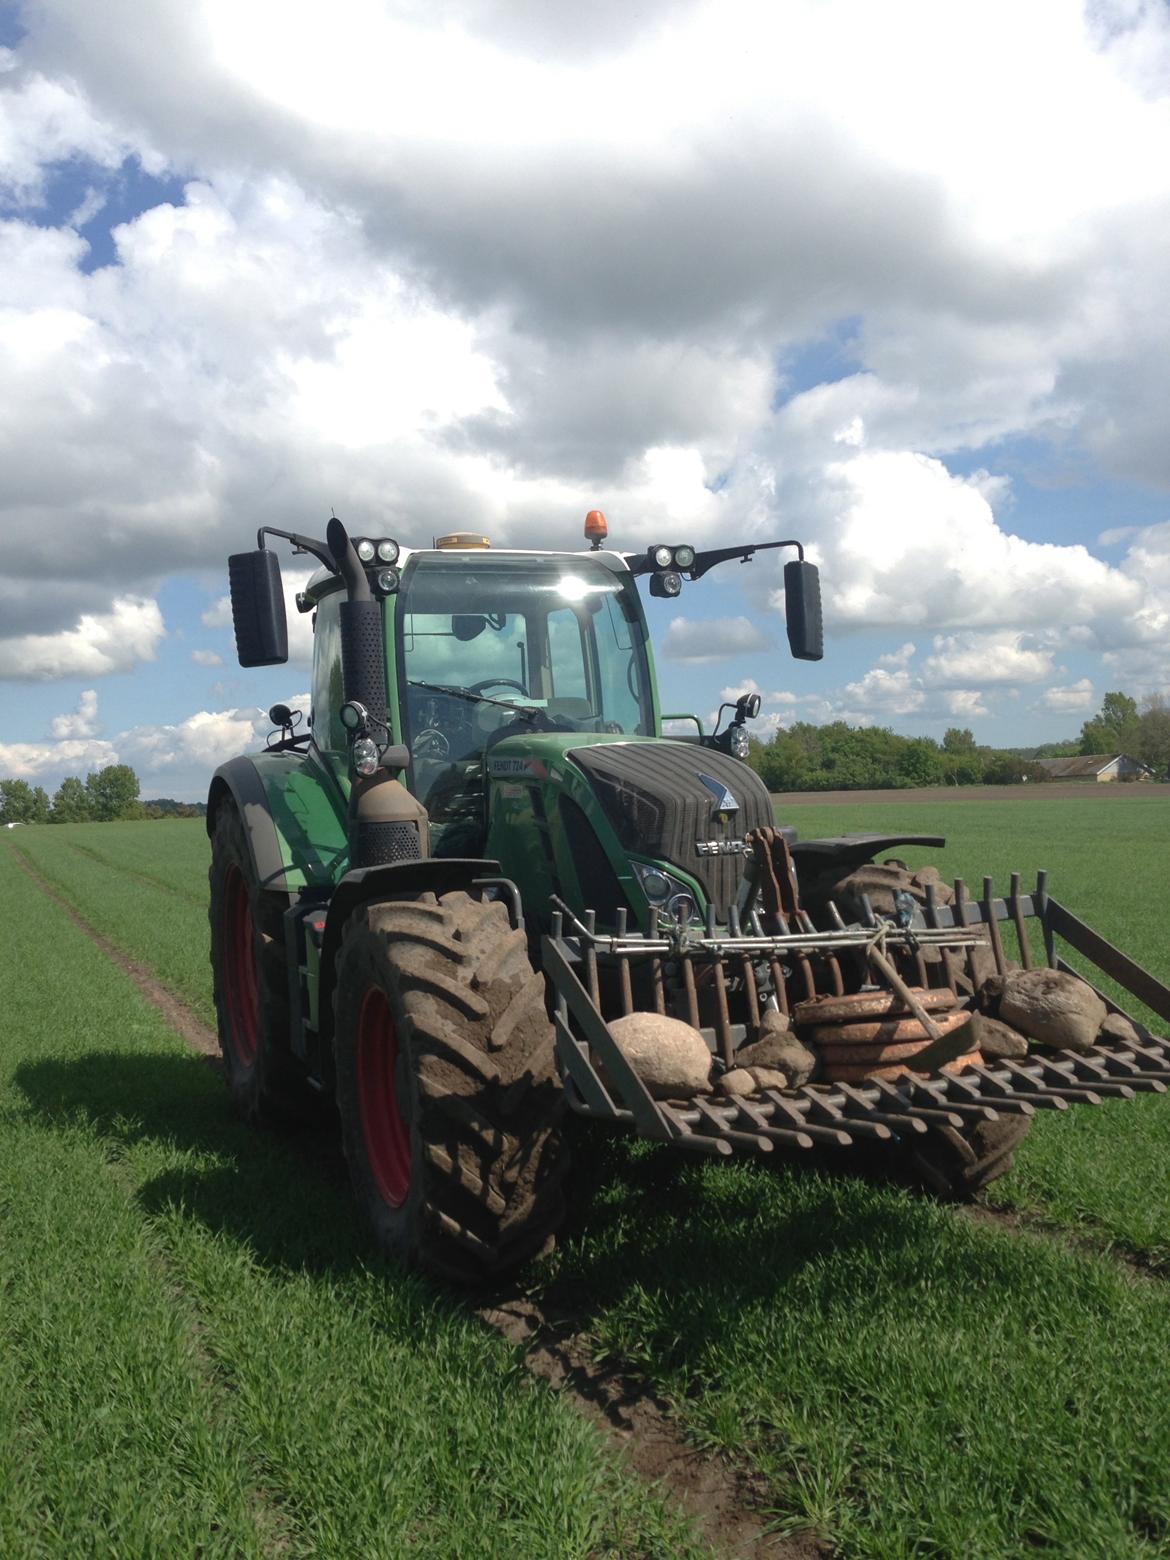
{"x":681,"y":804}
{"x":569,"y":811}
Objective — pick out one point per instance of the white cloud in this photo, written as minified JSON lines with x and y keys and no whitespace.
{"x":881,"y":692}
{"x":965,"y":702}
{"x":898,"y":658}
{"x":49,"y":762}
{"x":83,"y":721}
{"x":1074,"y":699}
{"x":711,"y":639}
{"x":206,"y":658}
{"x":100,"y":642}
{"x":985,"y":660}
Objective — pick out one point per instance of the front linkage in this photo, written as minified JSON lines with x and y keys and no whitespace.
{"x":685,"y":968}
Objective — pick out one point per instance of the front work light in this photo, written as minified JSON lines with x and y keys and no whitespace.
{"x":684,"y":557}
{"x":365,"y":755}
{"x":365,"y":550}
{"x":665,"y":584}
{"x":661,"y":557}
{"x":388,"y":551}
{"x":387,"y":581}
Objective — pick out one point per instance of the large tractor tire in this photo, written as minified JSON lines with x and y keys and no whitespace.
{"x":957,"y":1163}
{"x":447,"y":1090}
{"x":250,"y":981}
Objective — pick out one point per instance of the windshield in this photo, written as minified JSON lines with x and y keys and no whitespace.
{"x":491,"y":646}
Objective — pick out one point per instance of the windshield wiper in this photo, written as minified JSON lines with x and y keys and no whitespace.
{"x":529,"y":711}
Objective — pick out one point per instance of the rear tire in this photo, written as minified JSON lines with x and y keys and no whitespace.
{"x":447,"y":1090}
{"x":957,"y":1163}
{"x":250,"y":981}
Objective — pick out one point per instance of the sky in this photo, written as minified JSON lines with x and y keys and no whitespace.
{"x":891,"y":279}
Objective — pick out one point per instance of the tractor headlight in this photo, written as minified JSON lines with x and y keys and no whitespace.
{"x":661,"y":557}
{"x":668,"y":584}
{"x":365,"y":755}
{"x":684,"y":557}
{"x":738,"y":741}
{"x":388,"y":551}
{"x":365,"y":550}
{"x":656,"y":884}
{"x":387,"y":581}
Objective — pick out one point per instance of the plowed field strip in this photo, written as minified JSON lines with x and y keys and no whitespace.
{"x":178,"y":1016}
{"x":113,"y":864}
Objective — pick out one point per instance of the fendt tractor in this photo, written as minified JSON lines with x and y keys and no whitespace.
{"x":479,"y":888}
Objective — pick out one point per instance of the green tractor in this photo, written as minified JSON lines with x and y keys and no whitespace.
{"x":481,"y":887}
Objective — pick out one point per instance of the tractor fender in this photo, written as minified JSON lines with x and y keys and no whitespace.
{"x":431,"y":874}
{"x":240,"y":780}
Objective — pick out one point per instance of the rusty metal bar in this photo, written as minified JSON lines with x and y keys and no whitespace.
{"x":1108,"y":959}
{"x":1017,"y":915}
{"x":931,"y":916}
{"x":750,"y":1140}
{"x":659,"y":989}
{"x":989,"y":917}
{"x":722,"y":1016}
{"x":857,"y":1106}
{"x":688,"y":973}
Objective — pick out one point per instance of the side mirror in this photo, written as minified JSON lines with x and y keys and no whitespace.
{"x":258,"y":608}
{"x":802,"y":608}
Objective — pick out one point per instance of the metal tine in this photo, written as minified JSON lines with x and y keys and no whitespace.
{"x":688,"y":971}
{"x":1004,"y":1097}
{"x":722,"y":1016}
{"x":961,"y":908}
{"x":1067,"y":1088}
{"x":857,"y":1105}
{"x":750,"y":1140}
{"x":804,"y":920}
{"x":820,"y":1134}
{"x":659,"y":988}
{"x":1096,"y":1069}
{"x":1001,"y":1099}
{"x":624,"y":964}
{"x":931,"y":917}
{"x":799,"y":1136}
{"x":591,"y":961}
{"x":734,"y":926}
{"x":1018,"y":917}
{"x":710,"y":920}
{"x":944,"y":1114}
{"x":993,"y":927}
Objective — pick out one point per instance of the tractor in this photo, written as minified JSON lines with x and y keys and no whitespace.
{"x":479,"y":892}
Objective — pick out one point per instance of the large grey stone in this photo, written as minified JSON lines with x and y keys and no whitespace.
{"x":768,"y":1077}
{"x":778,"y":1047}
{"x":737,"y":1081}
{"x":669,"y":1056}
{"x":1053,"y":1008}
{"x":1116,"y":1026}
{"x":995,"y":1040}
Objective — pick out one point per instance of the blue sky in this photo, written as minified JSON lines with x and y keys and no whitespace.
{"x":251,"y":274}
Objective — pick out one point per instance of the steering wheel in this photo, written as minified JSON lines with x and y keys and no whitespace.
{"x":430,"y":743}
{"x":497,"y":682}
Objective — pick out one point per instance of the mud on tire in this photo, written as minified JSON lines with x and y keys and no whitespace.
{"x":447,"y":1090}
{"x":250,"y":981}
{"x":957,"y":1163}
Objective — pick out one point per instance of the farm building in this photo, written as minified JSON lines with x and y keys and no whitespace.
{"x":1099,"y":767}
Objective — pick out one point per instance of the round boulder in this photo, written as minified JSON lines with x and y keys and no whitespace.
{"x":669,"y":1056}
{"x":781,"y":1050}
{"x":1056,"y":1009}
{"x":737,"y":1081}
{"x":995,"y":1040}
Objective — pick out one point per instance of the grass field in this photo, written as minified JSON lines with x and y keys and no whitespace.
{"x":234,"y":1373}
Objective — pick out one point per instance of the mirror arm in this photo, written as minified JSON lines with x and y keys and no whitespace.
{"x":300,"y":543}
{"x":708,"y":560}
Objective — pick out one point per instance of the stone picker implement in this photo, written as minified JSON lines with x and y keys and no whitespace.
{"x":479,"y":885}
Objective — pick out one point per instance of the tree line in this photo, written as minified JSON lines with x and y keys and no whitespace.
{"x":841,"y":757}
{"x":104,"y":796}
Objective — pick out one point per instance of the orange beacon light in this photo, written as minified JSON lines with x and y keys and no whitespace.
{"x":596,"y":529}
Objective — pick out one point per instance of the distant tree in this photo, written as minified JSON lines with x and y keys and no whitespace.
{"x":70,"y":802}
{"x":958,"y":739}
{"x":112,"y":792}
{"x":41,"y":812}
{"x":1154,"y":738}
{"x":18,"y":803}
{"x":1116,"y":728}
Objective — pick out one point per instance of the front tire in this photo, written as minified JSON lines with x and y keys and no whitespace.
{"x":250,"y":981}
{"x":446,"y":1085}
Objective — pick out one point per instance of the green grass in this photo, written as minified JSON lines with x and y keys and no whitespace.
{"x":904,"y":1381}
{"x":199,"y":1353}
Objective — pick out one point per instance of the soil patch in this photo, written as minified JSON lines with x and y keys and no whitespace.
{"x":726,"y":1506}
{"x":180,"y":1018}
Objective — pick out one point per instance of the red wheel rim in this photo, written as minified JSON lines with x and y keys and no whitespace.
{"x":387,"y":1135}
{"x":240,"y":968}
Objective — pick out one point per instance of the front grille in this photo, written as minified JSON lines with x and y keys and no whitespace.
{"x":654,"y":798}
